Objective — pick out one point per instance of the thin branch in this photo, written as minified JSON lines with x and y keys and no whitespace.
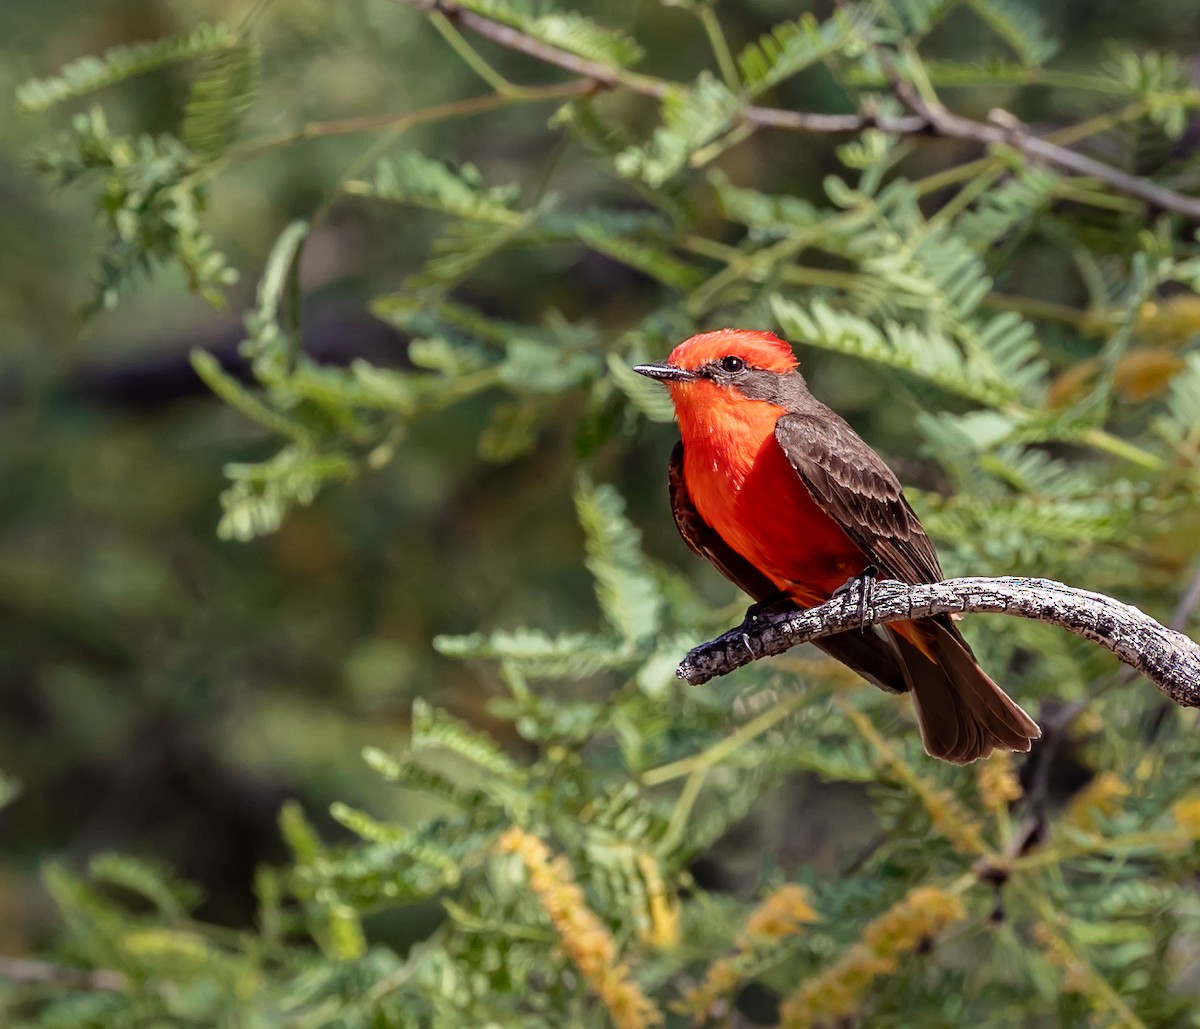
{"x":25,"y":970}
{"x":928,"y":118}
{"x":1007,"y":130}
{"x":397,"y":123}
{"x":648,"y":85}
{"x":1167,"y":658}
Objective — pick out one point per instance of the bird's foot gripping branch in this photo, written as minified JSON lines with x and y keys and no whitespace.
{"x":1167,"y":658}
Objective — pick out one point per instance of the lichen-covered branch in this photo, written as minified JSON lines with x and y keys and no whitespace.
{"x":1167,"y":658}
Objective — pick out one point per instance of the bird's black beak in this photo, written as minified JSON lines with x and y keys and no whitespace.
{"x":665,"y":372}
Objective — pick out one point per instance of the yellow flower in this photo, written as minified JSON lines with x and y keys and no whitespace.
{"x":997,"y":781}
{"x":1186,"y":813}
{"x":836,"y":992}
{"x":1099,"y":798}
{"x":781,"y":914}
{"x":585,"y":938}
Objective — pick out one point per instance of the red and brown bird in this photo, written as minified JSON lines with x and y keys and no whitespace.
{"x":785,"y":499}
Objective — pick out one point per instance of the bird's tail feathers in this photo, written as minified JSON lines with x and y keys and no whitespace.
{"x":962,"y":713}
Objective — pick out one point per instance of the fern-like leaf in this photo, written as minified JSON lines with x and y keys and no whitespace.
{"x":928,"y":354}
{"x":644,"y":256}
{"x":1182,"y":418}
{"x":425,"y":182}
{"x":1002,"y":210}
{"x":690,"y":118}
{"x":537,"y":654}
{"x":566,"y":30}
{"x":434,"y":729}
{"x":220,"y":98}
{"x":768,"y":215}
{"x":628,"y":595}
{"x":259,"y":495}
{"x":1020,"y":26}
{"x":792,"y":46}
{"x":88,"y":74}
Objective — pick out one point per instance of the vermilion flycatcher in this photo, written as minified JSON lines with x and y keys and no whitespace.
{"x":785,"y":499}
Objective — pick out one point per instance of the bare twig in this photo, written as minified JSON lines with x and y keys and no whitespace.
{"x":648,"y":85}
{"x":1168,"y":658}
{"x":927,"y":118}
{"x":24,"y":970}
{"x":397,"y":123}
{"x":1007,"y":130}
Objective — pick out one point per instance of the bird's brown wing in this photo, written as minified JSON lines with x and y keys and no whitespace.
{"x":963,"y":714}
{"x":872,"y":655}
{"x":861,"y":493}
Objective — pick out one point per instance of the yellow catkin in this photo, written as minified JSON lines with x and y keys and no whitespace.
{"x":997,"y":781}
{"x":1186,"y":813}
{"x":663,"y":931}
{"x":584,"y":937}
{"x":1099,"y":798}
{"x":948,"y":816}
{"x":837,"y":992}
{"x":781,"y":914}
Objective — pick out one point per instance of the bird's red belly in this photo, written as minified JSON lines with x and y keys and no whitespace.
{"x":763,"y":510}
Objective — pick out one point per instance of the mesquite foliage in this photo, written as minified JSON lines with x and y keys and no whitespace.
{"x":554,"y":878}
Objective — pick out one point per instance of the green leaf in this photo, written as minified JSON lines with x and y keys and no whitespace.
{"x":768,"y":214}
{"x":648,"y":397}
{"x":156,"y":884}
{"x":627,"y":593}
{"x":434,"y":729}
{"x":259,"y":495}
{"x":538,"y":654}
{"x":425,"y":182}
{"x":511,"y":431}
{"x":690,"y":119}
{"x":149,"y":202}
{"x":274,"y":324}
{"x":1162,"y":82}
{"x":646,"y":257}
{"x":1005,"y":208}
{"x":792,"y":46}
{"x":118,"y":63}
{"x":992,"y":374}
{"x":948,"y":73}
{"x":254,"y":406}
{"x":1181,"y":422}
{"x":535,"y":365}
{"x":220,"y":98}
{"x":565,"y":30}
{"x":1020,"y":26}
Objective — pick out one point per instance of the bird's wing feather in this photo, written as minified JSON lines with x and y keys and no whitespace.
{"x":852,"y":484}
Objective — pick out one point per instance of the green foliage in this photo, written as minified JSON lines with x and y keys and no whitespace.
{"x":691,"y":117}
{"x":538,"y":862}
{"x":220,"y":98}
{"x":149,"y":205}
{"x":566,"y":30}
{"x":1020,"y":26}
{"x":89,"y":74}
{"x":792,"y":46}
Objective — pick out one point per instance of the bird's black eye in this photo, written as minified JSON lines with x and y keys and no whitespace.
{"x":732,"y":364}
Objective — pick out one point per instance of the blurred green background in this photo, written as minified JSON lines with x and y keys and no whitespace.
{"x":162,"y":692}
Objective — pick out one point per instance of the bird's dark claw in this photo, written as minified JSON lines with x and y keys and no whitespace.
{"x":864,"y":583}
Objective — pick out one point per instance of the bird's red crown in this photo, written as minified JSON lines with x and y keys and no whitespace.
{"x":762,"y":350}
